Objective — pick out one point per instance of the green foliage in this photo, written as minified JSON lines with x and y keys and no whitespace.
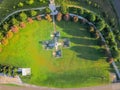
{"x":64,"y":8}
{"x":47,"y":10}
{"x":20,"y":4}
{"x":23,"y":16}
{"x":115,"y":53}
{"x":6,"y":26}
{"x":80,"y":11}
{"x":29,"y":2}
{"x":92,"y":17}
{"x":101,"y":25}
{"x":33,"y":13}
{"x":14,"y":21}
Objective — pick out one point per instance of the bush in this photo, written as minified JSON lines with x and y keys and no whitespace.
{"x":6,"y":26}
{"x":91,"y":17}
{"x":59,"y":16}
{"x":67,"y":17}
{"x":80,"y":11}
{"x":9,"y":34}
{"x":22,"y":25}
{"x":15,"y":29}
{"x":23,"y":16}
{"x":30,"y":20}
{"x":29,"y":2}
{"x":47,"y":10}
{"x":64,"y":9}
{"x":4,"y":41}
{"x":75,"y":19}
{"x":20,"y":4}
{"x":33,"y":13}
{"x":101,"y":25}
{"x":48,"y":17}
{"x":39,"y":17}
{"x":14,"y":21}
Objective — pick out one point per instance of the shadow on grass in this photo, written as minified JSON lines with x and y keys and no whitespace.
{"x":84,"y":41}
{"x":88,"y":53}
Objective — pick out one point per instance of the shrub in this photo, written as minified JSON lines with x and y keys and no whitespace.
{"x":47,"y":10}
{"x":97,"y":36}
{"x":91,"y":29}
{"x":75,"y":19}
{"x":15,"y":29}
{"x":39,"y":17}
{"x":14,"y":21}
{"x":48,"y":17}
{"x":80,"y":11}
{"x":9,"y":34}
{"x":59,"y":16}
{"x":101,"y":25}
{"x":33,"y":13}
{"x":29,"y":2}
{"x":20,"y":4}
{"x":66,"y":17}
{"x":64,"y":9}
{"x":30,"y":20}
{"x":91,"y":17}
{"x":23,"y":16}
{"x":22,"y":25}
{"x":4,"y":41}
{"x":6,"y":26}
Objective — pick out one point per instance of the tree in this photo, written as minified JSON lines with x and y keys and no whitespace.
{"x":15,"y":29}
{"x":14,"y":21}
{"x":20,"y":4}
{"x":47,"y":10}
{"x":4,"y":41}
{"x":22,"y":25}
{"x":33,"y":13}
{"x":91,"y":17}
{"x":9,"y":34}
{"x":75,"y":19}
{"x":101,"y":25}
{"x":39,"y":17}
{"x":48,"y":17}
{"x":59,"y":16}
{"x":29,"y":2}
{"x":80,"y":11}
{"x":23,"y":16}
{"x":66,"y":17}
{"x":64,"y":8}
{"x":30,"y":20}
{"x":6,"y":26}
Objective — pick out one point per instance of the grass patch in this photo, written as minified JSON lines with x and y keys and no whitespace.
{"x":83,"y":64}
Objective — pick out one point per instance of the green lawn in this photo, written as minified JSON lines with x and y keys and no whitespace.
{"x":83,"y":64}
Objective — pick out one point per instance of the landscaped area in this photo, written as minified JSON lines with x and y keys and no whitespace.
{"x":82,"y":63}
{"x":31,"y":38}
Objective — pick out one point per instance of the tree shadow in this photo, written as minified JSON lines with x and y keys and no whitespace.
{"x":88,"y":53}
{"x":84,"y":41}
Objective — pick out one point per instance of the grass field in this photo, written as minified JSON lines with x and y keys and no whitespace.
{"x":83,"y":64}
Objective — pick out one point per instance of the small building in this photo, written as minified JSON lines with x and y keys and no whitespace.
{"x":24,"y":71}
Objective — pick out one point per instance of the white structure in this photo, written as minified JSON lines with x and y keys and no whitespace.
{"x":25,"y":71}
